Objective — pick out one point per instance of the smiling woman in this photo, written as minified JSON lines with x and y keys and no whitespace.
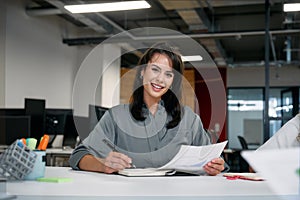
{"x":150,"y":130}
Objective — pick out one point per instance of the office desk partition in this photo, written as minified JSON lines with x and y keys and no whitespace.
{"x":91,"y":185}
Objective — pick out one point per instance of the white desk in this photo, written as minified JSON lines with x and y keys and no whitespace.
{"x":90,"y":185}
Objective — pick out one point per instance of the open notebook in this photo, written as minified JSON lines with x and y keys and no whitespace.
{"x":189,"y":159}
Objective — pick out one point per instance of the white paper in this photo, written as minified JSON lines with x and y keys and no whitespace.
{"x":279,"y":168}
{"x":190,"y":159}
{"x":193,"y":158}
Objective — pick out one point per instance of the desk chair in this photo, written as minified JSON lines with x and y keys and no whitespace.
{"x":243,"y":142}
{"x":243,"y":165}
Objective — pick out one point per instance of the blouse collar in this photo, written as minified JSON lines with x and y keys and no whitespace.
{"x":160,"y":108}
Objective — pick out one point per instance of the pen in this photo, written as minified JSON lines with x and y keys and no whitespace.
{"x":112,"y":147}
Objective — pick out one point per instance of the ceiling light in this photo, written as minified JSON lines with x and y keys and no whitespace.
{"x":106,"y":7}
{"x":191,"y":58}
{"x":291,"y":7}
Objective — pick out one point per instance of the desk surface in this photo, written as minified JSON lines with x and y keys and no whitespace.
{"x":90,"y":185}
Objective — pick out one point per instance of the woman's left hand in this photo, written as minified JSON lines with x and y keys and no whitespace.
{"x":214,"y":167}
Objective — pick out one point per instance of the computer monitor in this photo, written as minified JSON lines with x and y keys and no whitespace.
{"x":13,"y":128}
{"x":95,"y":114}
{"x":55,"y":121}
{"x":35,"y":108}
{"x":12,"y":111}
{"x":70,"y":132}
{"x":82,"y":126}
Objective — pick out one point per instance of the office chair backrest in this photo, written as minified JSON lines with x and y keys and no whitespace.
{"x":243,"y":142}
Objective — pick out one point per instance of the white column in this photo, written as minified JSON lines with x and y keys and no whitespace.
{"x":110,"y":81}
{"x":2,"y":52}
{"x":97,"y":81}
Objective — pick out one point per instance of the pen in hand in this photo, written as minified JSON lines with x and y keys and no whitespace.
{"x":112,"y":147}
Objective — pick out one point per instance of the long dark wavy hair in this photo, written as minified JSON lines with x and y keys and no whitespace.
{"x":172,"y":98}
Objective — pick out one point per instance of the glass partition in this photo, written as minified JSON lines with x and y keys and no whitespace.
{"x":245,"y":116}
{"x":245,"y":112}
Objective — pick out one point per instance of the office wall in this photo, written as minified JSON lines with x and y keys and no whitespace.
{"x":2,"y":53}
{"x":255,"y":76}
{"x":236,"y":125}
{"x":37,"y":63}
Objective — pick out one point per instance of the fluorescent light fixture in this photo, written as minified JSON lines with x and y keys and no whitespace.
{"x":191,"y":58}
{"x":291,"y":7}
{"x":106,"y":7}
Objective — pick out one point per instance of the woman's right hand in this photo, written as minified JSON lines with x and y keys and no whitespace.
{"x":116,"y":161}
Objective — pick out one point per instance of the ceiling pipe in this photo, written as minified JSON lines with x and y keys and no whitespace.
{"x":262,"y":64}
{"x":245,"y":33}
{"x":95,"y":40}
{"x":35,"y":12}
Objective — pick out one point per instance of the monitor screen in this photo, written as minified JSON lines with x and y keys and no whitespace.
{"x":70,"y":132}
{"x":55,"y":121}
{"x":95,"y":114}
{"x":82,"y":126}
{"x":35,"y":108}
{"x":13,"y":128}
{"x":12,"y":111}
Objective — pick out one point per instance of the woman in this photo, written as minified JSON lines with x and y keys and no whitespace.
{"x":150,"y":130}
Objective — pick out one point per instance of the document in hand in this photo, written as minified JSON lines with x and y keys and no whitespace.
{"x":189,"y":159}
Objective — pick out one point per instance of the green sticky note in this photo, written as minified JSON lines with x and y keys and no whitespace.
{"x":298,"y":171}
{"x":54,"y":179}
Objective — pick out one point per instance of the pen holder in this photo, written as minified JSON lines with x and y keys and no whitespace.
{"x":38,"y":170}
{"x":17,"y":161}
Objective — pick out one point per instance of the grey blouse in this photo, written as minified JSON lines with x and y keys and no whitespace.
{"x":148,"y":143}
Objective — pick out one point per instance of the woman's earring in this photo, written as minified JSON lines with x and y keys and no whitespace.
{"x":170,"y":87}
{"x":141,"y":77}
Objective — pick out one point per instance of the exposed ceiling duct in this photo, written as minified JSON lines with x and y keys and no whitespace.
{"x":229,"y":30}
